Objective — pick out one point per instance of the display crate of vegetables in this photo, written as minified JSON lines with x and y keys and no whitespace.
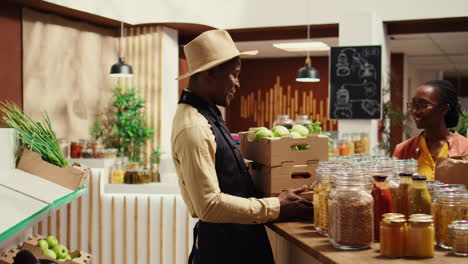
{"x":282,"y":158}
{"x":39,"y":152}
{"x":279,"y":145}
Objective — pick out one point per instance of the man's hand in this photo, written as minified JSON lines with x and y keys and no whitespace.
{"x":292,"y":205}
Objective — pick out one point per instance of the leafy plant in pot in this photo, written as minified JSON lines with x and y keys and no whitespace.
{"x":124,"y":126}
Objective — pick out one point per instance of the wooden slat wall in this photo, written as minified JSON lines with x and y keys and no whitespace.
{"x":268,"y":89}
{"x":142,"y":47}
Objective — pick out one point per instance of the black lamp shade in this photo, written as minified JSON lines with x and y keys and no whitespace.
{"x":121,"y":69}
{"x":307,"y":73}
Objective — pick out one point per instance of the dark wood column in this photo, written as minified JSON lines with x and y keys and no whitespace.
{"x":396,"y":97}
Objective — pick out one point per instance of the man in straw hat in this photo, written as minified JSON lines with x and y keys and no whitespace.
{"x":213,"y":178}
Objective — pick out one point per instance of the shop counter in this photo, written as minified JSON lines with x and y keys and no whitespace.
{"x":303,"y":235}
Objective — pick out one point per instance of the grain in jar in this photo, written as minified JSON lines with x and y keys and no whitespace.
{"x":458,"y":231}
{"x":351,"y":213}
{"x":449,"y":206}
{"x":420,"y":243}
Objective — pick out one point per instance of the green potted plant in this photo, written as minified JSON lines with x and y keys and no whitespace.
{"x":124,"y":126}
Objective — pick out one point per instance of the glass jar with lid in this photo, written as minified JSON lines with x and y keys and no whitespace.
{"x":283,"y":120}
{"x":351,"y":225}
{"x":406,"y":166}
{"x":431,"y":187}
{"x":393,"y":236}
{"x":325,"y":173}
{"x":420,"y":238}
{"x":449,"y":206}
{"x":117,"y":173}
{"x":458,"y":233}
{"x":303,"y":120}
{"x":419,"y":199}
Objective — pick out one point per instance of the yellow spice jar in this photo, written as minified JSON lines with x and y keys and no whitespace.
{"x":420,"y":238}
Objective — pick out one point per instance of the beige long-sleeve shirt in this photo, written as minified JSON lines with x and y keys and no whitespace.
{"x":193,"y":152}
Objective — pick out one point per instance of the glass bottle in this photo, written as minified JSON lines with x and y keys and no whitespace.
{"x":303,"y":120}
{"x":420,"y":238}
{"x":321,"y":192}
{"x":449,"y":206}
{"x":382,"y":202}
{"x":365,"y":143}
{"x":117,"y":173}
{"x":419,"y":199}
{"x":403,"y":192}
{"x":64,"y":147}
{"x":283,"y":120}
{"x":459,"y":236}
{"x":393,"y":237}
{"x":351,"y":223}
{"x":75,"y":150}
{"x":385,"y":168}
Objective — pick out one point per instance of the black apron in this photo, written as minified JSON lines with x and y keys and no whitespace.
{"x":227,"y":242}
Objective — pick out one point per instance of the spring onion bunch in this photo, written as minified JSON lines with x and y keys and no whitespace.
{"x":37,"y":136}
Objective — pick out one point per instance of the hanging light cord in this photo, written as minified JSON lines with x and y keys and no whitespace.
{"x":308,"y":24}
{"x":121,"y":40}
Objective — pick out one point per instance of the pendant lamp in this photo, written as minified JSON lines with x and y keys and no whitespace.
{"x":307,"y":73}
{"x":121,"y":69}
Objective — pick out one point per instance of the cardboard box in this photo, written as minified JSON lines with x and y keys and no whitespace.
{"x":275,"y":151}
{"x":78,"y":257}
{"x":71,"y":177}
{"x":7,"y":257}
{"x":272,"y":180}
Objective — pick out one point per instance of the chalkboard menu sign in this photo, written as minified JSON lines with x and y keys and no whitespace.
{"x":355,"y":88}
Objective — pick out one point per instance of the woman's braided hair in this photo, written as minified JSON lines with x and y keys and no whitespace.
{"x":447,"y":95}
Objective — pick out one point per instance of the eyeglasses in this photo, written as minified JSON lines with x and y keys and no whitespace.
{"x":419,"y":106}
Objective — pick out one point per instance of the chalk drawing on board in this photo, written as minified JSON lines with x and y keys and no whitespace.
{"x":364,"y":68}
{"x":368,"y":52}
{"x":342,"y":66}
{"x":370,"y":106}
{"x":370,"y":89}
{"x":343,"y":106}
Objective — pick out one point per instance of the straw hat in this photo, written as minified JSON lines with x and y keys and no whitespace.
{"x":210,"y":49}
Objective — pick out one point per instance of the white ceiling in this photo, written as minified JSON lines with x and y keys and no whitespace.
{"x":444,"y":50}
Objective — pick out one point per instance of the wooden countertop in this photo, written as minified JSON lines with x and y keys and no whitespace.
{"x":303,"y":235}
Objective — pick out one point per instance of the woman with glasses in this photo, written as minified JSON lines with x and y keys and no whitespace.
{"x":434,"y":108}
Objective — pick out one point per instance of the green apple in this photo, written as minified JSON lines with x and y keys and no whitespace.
{"x":260,"y":128}
{"x":61,"y":251}
{"x":68,"y":257}
{"x":262,"y":133}
{"x":61,"y":260}
{"x":302,"y":130}
{"x":279,"y":131}
{"x":52,"y":241}
{"x":49,"y":253}
{"x":295,"y":134}
{"x":42,"y":244}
